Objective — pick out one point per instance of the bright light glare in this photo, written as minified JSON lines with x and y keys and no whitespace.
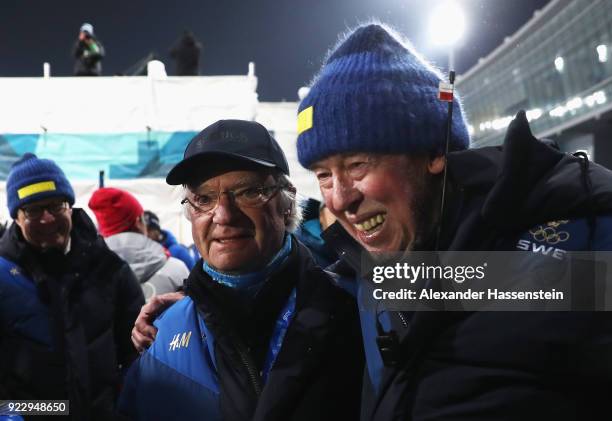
{"x":590,"y":101}
{"x":559,"y":64}
{"x":446,"y":24}
{"x":602,"y":53}
{"x":534,"y":114}
{"x":573,"y":104}
{"x":501,"y":123}
{"x":558,"y":111}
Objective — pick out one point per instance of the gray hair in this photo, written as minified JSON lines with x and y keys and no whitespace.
{"x":289,"y":202}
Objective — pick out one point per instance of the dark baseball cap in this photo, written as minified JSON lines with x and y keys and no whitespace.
{"x":242,"y":140}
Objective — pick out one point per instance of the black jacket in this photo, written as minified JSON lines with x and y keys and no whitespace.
{"x":500,"y":365}
{"x":84,"y":304}
{"x":186,"y":53}
{"x":88,"y":57}
{"x":214,"y":371}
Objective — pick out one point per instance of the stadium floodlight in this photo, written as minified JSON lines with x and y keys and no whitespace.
{"x":447,"y":23}
{"x":447,"y":26}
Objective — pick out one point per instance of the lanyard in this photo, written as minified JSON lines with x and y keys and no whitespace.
{"x":278,"y":335}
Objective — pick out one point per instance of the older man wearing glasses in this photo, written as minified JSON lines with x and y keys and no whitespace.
{"x":67,"y":303}
{"x":263,"y":333}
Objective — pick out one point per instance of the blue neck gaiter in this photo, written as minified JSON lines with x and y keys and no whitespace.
{"x":250,"y":283}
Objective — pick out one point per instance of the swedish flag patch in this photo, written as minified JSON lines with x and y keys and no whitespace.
{"x":305,"y":120}
{"x":43,"y":186}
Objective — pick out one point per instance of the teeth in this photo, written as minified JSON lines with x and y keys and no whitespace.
{"x":371,"y":223}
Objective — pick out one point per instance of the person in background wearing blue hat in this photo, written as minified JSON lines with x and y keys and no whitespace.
{"x":262,"y":333}
{"x":88,"y":52}
{"x":67,"y":303}
{"x":373,"y":132}
{"x":167,"y":239}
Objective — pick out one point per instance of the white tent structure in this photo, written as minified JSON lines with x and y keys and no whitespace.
{"x":132,"y":128}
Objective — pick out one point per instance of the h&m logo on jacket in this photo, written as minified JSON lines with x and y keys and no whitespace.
{"x":180,"y":340}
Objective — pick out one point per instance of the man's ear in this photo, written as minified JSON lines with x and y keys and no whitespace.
{"x":436,"y":165}
{"x":20,"y":221}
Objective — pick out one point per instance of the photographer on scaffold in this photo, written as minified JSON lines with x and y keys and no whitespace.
{"x":88,"y":52}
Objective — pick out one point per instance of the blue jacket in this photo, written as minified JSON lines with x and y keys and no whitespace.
{"x":203,"y":365}
{"x":183,"y":356}
{"x":500,"y":365}
{"x":177,"y":250}
{"x":65,"y":321}
{"x":309,"y":233}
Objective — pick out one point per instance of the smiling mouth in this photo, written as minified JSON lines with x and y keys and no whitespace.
{"x":53,"y":233}
{"x":370,"y":225}
{"x":229,"y":240}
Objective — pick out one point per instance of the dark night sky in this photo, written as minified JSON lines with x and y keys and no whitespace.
{"x":287,"y":39}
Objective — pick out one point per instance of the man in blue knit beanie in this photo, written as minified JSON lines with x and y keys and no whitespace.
{"x":67,"y":303}
{"x":32,"y":183}
{"x":376,"y":94}
{"x":373,"y":132}
{"x":374,"y":105}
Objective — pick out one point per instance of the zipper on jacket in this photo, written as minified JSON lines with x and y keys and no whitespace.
{"x":252,"y":372}
{"x":403,"y":319}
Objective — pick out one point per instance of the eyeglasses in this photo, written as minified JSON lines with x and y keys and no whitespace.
{"x":249,"y":197}
{"x":36,"y":212}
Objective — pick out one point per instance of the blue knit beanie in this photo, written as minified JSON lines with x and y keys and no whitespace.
{"x":32,"y":179}
{"x":376,"y":94}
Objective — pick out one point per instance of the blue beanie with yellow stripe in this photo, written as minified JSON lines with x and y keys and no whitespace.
{"x":32,"y":179}
{"x":376,"y":94}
